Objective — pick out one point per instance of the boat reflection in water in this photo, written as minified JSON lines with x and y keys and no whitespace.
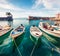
{"x":50,"y":33}
{"x":6,"y":47}
{"x":6,"y":44}
{"x":36,"y":35}
{"x":53,"y":40}
{"x":17,"y":35}
{"x":6,"y":28}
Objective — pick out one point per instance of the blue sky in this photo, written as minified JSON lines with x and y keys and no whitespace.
{"x":22,"y":3}
{"x":25,"y":8}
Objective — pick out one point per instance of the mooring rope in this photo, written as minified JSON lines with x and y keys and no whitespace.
{"x":34,"y":47}
{"x":17,"y":48}
{"x":53,"y":48}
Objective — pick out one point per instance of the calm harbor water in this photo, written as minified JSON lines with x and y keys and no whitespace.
{"x":25,"y":47}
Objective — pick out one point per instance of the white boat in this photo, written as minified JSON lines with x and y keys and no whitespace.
{"x":35,"y":32}
{"x":5,"y":31}
{"x":17,"y":32}
{"x":48,"y":29}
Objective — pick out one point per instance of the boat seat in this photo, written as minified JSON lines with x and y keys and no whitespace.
{"x":15,"y":32}
{"x":37,"y":34}
{"x":20,"y":30}
{"x":35,"y":30}
{"x":45,"y":26}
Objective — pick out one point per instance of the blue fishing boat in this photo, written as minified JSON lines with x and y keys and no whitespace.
{"x":17,"y":32}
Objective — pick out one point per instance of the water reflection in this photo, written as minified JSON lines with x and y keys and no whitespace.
{"x":3,"y":23}
{"x":17,"y":22}
{"x":54,"y":40}
{"x":26,"y":45}
{"x":6,"y":47}
{"x":6,"y":43}
{"x":10,"y":23}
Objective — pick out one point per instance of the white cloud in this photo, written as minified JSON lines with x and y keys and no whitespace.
{"x":3,"y":1}
{"x":4,"y":4}
{"x":51,"y":7}
{"x":36,"y":4}
{"x":49,"y":4}
{"x":2,"y":14}
{"x":34,"y":13}
{"x":26,"y":14}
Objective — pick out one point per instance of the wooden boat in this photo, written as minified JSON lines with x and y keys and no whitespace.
{"x":50,"y":31}
{"x":35,"y":33}
{"x":5,"y":31}
{"x":57,"y":27}
{"x":17,"y":32}
{"x":17,"y":35}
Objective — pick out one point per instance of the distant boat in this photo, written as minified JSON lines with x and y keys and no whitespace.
{"x":35,"y":33}
{"x":17,"y":32}
{"x":49,"y":30}
{"x":39,"y":18}
{"x":5,"y":31}
{"x":7,"y":18}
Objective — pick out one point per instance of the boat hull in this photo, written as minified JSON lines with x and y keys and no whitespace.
{"x":5,"y":35}
{"x":34,"y":39}
{"x":18,"y":40}
{"x":53,"y":39}
{"x":35,"y":35}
